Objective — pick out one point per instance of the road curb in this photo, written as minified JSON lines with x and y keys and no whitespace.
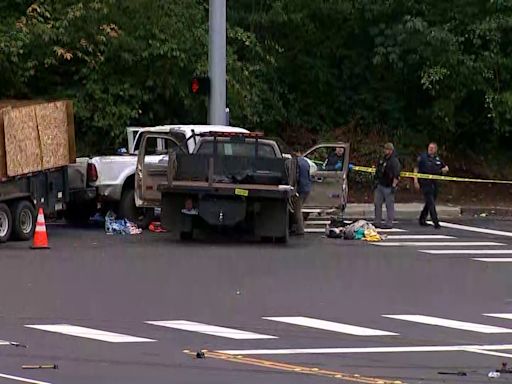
{"x":403,"y":211}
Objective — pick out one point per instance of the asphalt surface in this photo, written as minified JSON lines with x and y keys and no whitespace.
{"x":117,"y":283}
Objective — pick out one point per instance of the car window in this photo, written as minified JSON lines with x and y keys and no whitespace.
{"x":229,"y":148}
{"x":159,"y":146}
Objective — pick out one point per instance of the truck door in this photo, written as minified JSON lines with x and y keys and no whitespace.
{"x":329,"y":173}
{"x":151,"y":169}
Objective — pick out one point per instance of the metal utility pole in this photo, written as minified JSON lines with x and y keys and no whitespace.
{"x":217,"y":63}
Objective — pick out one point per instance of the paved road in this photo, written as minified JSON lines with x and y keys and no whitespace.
{"x":322,"y":304}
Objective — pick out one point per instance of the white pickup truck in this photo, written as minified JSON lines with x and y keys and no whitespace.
{"x":113,"y":176}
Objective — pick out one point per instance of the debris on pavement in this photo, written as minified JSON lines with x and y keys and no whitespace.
{"x":42,"y":366}
{"x":200,"y":355}
{"x":17,"y":345}
{"x":120,"y":227}
{"x":156,"y":227}
{"x":459,"y":373}
{"x":504,"y":368}
{"x":494,"y":375}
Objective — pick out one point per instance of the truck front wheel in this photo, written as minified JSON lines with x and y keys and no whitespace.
{"x":5,"y":223}
{"x":24,"y":220}
{"x":128,"y":210}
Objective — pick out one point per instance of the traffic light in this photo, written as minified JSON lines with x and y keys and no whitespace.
{"x":200,"y":85}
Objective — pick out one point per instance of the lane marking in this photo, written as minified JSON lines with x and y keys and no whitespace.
{"x":3,"y":342}
{"x":314,"y":230}
{"x":89,"y":333}
{"x":439,"y":321}
{"x":438,"y":243}
{"x":507,"y":316}
{"x":475,"y":229}
{"x":213,"y":330}
{"x":22,"y":379}
{"x":429,"y":348}
{"x":467,"y":251}
{"x":500,"y":354}
{"x":318,"y":222}
{"x":419,"y":237}
{"x":330,"y":326}
{"x":292,"y":368}
{"x":494,"y":259}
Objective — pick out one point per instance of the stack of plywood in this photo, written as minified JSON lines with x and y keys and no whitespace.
{"x":35,"y":136}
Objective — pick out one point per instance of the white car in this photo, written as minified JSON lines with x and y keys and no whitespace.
{"x":113,"y":176}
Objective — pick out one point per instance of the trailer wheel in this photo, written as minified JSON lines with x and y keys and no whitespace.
{"x":5,"y":223}
{"x":128,"y":210}
{"x":24,"y":220}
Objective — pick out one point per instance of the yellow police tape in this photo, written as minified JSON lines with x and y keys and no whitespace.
{"x":433,"y":177}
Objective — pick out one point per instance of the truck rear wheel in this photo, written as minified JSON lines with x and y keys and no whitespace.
{"x":24,"y":220}
{"x":128,"y":210}
{"x":5,"y":223}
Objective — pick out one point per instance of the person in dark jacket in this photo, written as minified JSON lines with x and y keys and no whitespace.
{"x":386,"y":179}
{"x":335,"y":159}
{"x":429,"y":163}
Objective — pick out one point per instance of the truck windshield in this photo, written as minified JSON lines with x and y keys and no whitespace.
{"x":229,"y":148}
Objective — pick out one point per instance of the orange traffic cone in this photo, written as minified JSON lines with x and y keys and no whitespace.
{"x":40,"y":236}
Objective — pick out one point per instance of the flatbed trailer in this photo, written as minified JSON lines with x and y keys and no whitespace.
{"x":21,"y":196}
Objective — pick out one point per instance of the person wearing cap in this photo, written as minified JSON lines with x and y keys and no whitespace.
{"x":429,"y":163}
{"x":387,"y":175}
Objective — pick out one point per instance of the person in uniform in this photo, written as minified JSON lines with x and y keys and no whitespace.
{"x":387,"y":176}
{"x":430,"y":163}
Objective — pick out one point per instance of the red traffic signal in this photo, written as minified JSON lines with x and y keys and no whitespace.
{"x":200,"y":85}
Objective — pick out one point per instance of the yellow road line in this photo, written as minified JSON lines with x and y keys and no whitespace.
{"x":294,"y":368}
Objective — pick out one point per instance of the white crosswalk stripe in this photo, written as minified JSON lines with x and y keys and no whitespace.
{"x":210,"y":329}
{"x":330,"y":326}
{"x":89,"y":333}
{"x":461,"y":325}
{"x":476,"y":229}
{"x":494,"y":259}
{"x":507,"y":316}
{"x":438,"y":244}
{"x":467,"y":251}
{"x":418,"y":237}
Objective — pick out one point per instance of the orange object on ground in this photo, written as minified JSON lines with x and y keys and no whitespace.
{"x":155,"y":226}
{"x":40,"y":235}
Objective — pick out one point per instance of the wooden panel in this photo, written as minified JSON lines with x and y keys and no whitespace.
{"x":53,"y":134}
{"x":22,"y":144}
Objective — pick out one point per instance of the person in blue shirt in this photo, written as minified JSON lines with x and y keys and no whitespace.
{"x":303,"y":188}
{"x":303,"y":178}
{"x":429,"y":163}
